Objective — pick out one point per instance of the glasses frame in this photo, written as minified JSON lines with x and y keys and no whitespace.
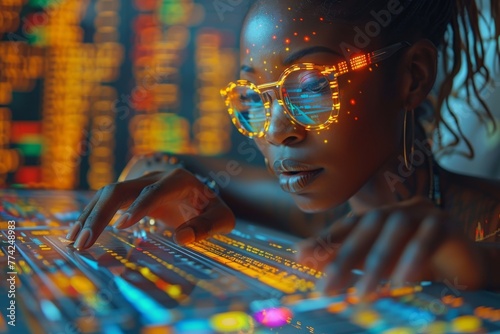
{"x":331,"y":73}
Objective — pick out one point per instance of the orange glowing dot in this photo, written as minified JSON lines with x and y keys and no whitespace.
{"x":287,"y":41}
{"x":356,"y":118}
{"x":321,"y":19}
{"x":289,"y":8}
{"x":247,"y":51}
{"x":326,"y":141}
{"x":295,"y":33}
{"x":353,"y":102}
{"x":306,"y":39}
{"x":301,"y":19}
{"x":314,"y":32}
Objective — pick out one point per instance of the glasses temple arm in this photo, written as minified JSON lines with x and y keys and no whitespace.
{"x":385,"y":53}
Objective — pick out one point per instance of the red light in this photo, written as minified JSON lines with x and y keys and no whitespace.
{"x":353,"y":102}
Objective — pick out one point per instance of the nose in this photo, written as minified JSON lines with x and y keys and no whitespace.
{"x":282,"y":129}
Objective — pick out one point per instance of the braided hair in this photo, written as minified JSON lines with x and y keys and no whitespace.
{"x":454,"y":28}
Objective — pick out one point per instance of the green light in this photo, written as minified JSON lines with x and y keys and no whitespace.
{"x":172,"y":12}
{"x":30,"y":147}
{"x":38,"y":36}
{"x":45,"y":3}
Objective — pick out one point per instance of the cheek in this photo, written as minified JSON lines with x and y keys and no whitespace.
{"x":262,"y":146}
{"x":369,"y":105}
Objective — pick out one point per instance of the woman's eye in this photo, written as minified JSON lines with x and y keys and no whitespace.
{"x":312,"y":82}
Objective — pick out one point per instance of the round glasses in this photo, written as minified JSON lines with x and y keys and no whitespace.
{"x":309,"y":94}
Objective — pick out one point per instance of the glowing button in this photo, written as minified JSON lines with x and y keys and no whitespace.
{"x":366,"y":318}
{"x":231,"y":322}
{"x":466,"y":324}
{"x":198,"y":326}
{"x":273,"y":317}
{"x":82,"y":284}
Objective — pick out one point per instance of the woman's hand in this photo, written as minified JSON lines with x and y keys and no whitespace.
{"x":176,"y":197}
{"x":407,"y":242}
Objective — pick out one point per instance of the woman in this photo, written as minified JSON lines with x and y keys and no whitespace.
{"x":332,"y":94}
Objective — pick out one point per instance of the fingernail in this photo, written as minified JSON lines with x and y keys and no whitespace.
{"x":84,"y":239}
{"x":73,"y":231}
{"x":122,"y":220}
{"x":184,"y":236}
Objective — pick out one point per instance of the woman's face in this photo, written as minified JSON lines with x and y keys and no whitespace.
{"x":331,"y":165}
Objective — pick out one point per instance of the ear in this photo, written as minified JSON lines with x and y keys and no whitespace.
{"x":421,"y":70}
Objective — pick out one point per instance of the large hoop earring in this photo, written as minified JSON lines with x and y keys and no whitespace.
{"x":409,"y":164}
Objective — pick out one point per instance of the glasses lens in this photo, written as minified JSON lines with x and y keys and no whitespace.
{"x":308,"y":97}
{"x":248,"y":108}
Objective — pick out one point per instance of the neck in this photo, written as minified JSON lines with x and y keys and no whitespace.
{"x":394,"y":183}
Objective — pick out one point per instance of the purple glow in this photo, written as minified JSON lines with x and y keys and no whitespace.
{"x":273,"y":317}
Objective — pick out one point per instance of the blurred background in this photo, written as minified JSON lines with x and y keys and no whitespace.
{"x":86,"y":84}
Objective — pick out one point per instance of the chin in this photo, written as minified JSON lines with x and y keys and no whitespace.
{"x":311,"y":205}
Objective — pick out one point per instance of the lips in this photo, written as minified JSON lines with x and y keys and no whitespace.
{"x":295,"y":176}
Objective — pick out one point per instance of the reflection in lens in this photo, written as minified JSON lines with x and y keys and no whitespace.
{"x":308,"y":97}
{"x":248,"y":108}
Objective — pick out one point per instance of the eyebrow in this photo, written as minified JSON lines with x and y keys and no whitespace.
{"x":296,"y":56}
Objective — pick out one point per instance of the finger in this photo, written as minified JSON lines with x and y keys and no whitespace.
{"x":179,"y":186}
{"x":417,"y":253}
{"x":112,"y":198}
{"x":353,"y":251}
{"x":386,"y":251}
{"x":77,"y":226}
{"x":316,"y":252}
{"x":217,"y":218}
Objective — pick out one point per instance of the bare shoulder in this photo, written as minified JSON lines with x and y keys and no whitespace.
{"x":473,"y":201}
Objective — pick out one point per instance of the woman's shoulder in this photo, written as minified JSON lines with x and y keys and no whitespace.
{"x":475,"y":202}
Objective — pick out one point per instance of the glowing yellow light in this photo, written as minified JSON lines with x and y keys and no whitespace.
{"x":326,"y":141}
{"x":231,"y":322}
{"x":82,"y":284}
{"x":174,"y":291}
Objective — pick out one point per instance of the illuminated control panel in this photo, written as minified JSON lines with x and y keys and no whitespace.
{"x":138,"y":280}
